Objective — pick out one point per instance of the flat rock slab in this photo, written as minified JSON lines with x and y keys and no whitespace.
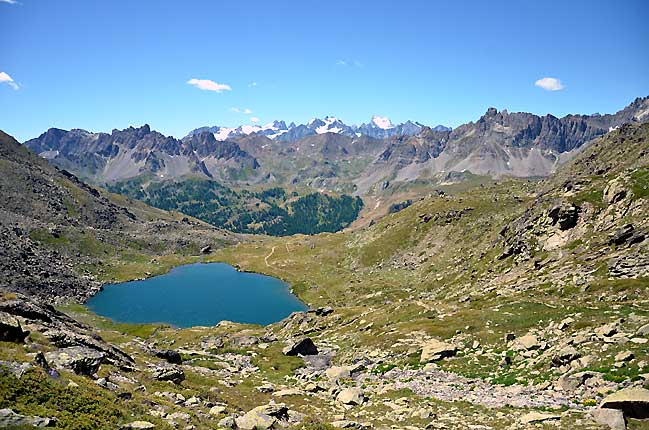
{"x":634,"y":402}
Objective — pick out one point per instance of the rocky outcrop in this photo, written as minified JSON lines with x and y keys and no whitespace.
{"x":9,"y":418}
{"x":81,"y":360}
{"x":64,"y":332}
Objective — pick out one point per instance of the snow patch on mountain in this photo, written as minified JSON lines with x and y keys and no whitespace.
{"x":382,"y":122}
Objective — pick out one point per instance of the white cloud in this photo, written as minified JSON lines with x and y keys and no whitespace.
{"x":6,"y":79}
{"x":246,"y":111}
{"x":254,"y":119}
{"x":549,"y":84}
{"x":9,"y":1}
{"x":207,"y":85}
{"x":252,"y":84}
{"x":341,"y":62}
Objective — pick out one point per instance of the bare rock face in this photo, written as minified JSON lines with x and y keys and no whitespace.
{"x":633,"y":402}
{"x":303,"y":346}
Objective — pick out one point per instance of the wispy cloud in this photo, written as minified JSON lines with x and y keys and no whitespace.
{"x":245,"y":111}
{"x":9,"y":1}
{"x":254,"y":119}
{"x":6,"y":79}
{"x":252,"y":84}
{"x":549,"y":84}
{"x":208,"y":85}
{"x":353,"y":63}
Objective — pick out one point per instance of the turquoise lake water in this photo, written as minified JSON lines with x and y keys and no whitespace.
{"x":198,"y":294}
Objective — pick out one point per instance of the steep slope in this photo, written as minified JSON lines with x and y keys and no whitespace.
{"x":53,"y":225}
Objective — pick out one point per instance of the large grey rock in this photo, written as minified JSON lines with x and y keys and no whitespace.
{"x":436,"y":350}
{"x":168,"y":373}
{"x":80,"y":359}
{"x":613,"y":418}
{"x":634,"y":402}
{"x":302,"y":346}
{"x":9,"y":418}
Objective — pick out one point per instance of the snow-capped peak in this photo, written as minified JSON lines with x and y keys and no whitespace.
{"x":382,"y":122}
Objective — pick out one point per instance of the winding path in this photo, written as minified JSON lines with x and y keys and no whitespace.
{"x":272,"y":251}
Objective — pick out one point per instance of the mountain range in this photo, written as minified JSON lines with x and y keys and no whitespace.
{"x":378,"y":128}
{"x":329,"y":155}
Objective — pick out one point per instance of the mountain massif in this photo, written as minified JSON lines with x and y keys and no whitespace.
{"x":511,"y":304}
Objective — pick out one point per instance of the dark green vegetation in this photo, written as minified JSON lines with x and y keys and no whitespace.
{"x":272,"y":211}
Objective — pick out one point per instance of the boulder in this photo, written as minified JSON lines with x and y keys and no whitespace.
{"x":255,"y":421}
{"x":264,"y":417}
{"x":80,"y":359}
{"x":10,"y":329}
{"x":644,"y":330}
{"x":624,"y":356}
{"x":338,"y":372}
{"x":168,"y":373}
{"x":139,"y":425}
{"x":243,"y":342}
{"x":346,"y":424}
{"x":538,"y":417}
{"x":606,"y":330}
{"x":206,"y":249}
{"x":302,"y":346}
{"x":633,"y":402}
{"x":565,"y":356}
{"x":436,"y":350}
{"x":351,"y":396}
{"x":212,"y":342}
{"x":9,"y":418}
{"x":613,"y":418}
{"x":227,"y":423}
{"x":622,"y":235}
{"x":170,"y":356}
{"x":528,"y":342}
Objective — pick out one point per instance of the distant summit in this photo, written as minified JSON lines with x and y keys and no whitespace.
{"x":379,"y":127}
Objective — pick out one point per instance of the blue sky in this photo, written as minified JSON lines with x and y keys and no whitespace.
{"x":100,"y":65}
